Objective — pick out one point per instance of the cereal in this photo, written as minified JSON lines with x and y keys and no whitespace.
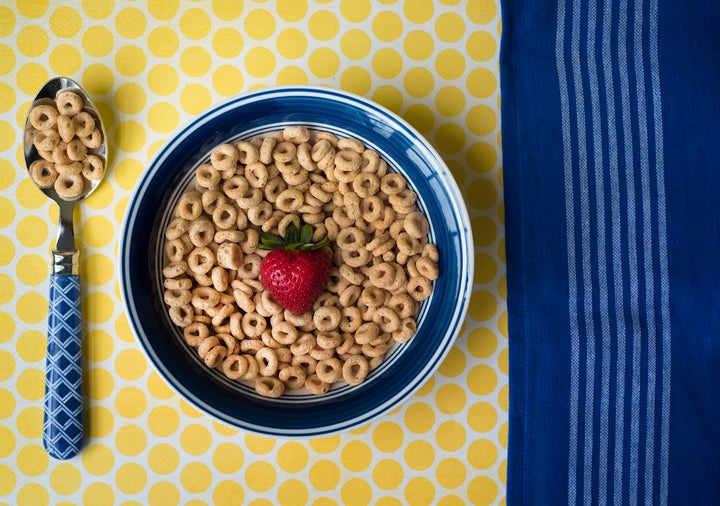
{"x":384,"y":262}
{"x":65,"y":136}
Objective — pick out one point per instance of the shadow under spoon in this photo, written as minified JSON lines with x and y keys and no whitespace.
{"x":66,"y":155}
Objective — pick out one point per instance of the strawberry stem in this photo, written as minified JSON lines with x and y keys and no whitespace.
{"x":294,"y":240}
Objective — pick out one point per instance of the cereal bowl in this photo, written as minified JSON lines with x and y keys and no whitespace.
{"x":407,"y":365}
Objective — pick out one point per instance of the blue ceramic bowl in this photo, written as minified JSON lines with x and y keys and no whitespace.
{"x":408,"y":366}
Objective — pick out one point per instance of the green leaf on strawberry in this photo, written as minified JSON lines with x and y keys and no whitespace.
{"x":296,"y":270}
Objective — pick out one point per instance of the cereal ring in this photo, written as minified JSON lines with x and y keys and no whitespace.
{"x":427,"y":268}
{"x":253,"y":324}
{"x":68,"y":103}
{"x":328,"y":340}
{"x":175,"y":250}
{"x":386,"y":319}
{"x":355,"y":258}
{"x":251,"y":198}
{"x":235,"y":366}
{"x":224,"y":157}
{"x":351,"y":319}
{"x":370,"y":163}
{"x":285,"y":333}
{"x":315,"y":385}
{"x":230,"y":343}
{"x":267,"y":361}
{"x":329,"y":370}
{"x":349,"y":295}
{"x":235,"y":186}
{"x":347,"y":161}
{"x":69,"y":186}
{"x":377,"y":350}
{"x":320,"y":150}
{"x":250,"y":268}
{"x":266,"y":149}
{"x":366,"y":332}
{"x":211,"y":199}
{"x":253,"y":368}
{"x":204,"y":297}
{"x":94,"y":140}
{"x":43,"y":173}
{"x":293,"y":376}
{"x":304,"y":344}
{"x":207,"y":176}
{"x":66,"y":127}
{"x":350,"y":238}
{"x":182,"y":316}
{"x":284,"y":152}
{"x":201,"y":232}
{"x":195,"y":333}
{"x":76,"y":150}
{"x":256,"y":174}
{"x":366,"y":184}
{"x":351,"y":144}
{"x":327,"y":318}
{"x":43,"y":117}
{"x":260,"y":213}
{"x":391,"y":184}
{"x":93,"y":167}
{"x":268,"y":386}
{"x":419,"y":288}
{"x":355,"y":369}
{"x":175,"y":270}
{"x":247,"y":152}
{"x":178,"y":283}
{"x":251,"y":346}
{"x":224,"y":216}
{"x":296,"y":134}
{"x":404,"y":200}
{"x":84,"y":124}
{"x":69,"y":168}
{"x":59,"y":154}
{"x":46,"y":140}
{"x":219,"y":314}
{"x":190,"y":206}
{"x":230,"y":256}
{"x":290,"y":200}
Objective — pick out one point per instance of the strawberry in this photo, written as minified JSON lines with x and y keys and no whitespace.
{"x":297,"y":270}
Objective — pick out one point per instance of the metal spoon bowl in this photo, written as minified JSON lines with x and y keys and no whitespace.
{"x":63,"y":418}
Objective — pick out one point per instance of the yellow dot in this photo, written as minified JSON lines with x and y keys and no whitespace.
{"x":130,"y":440}
{"x":482,"y":454}
{"x":356,"y":456}
{"x":481,"y":83}
{"x":481,"y":417}
{"x":228,"y":458}
{"x":130,"y":364}
{"x":291,"y":75}
{"x":420,"y":116}
{"x":7,"y":21}
{"x":30,"y":384}
{"x":486,"y":269}
{"x":65,"y":479}
{"x":97,"y":307}
{"x":7,"y":100}
{"x":97,"y":269}
{"x":127,"y":172}
{"x":196,"y":477}
{"x":387,"y":26}
{"x":356,"y":80}
{"x":291,"y":43}
{"x":420,"y":491}
{"x":419,"y":455}
{"x":97,"y":231}
{"x":98,"y":9}
{"x":131,"y":478}
{"x":7,"y":63}
{"x":481,"y":11}
{"x":32,"y":40}
{"x":227,"y":80}
{"x":324,"y":62}
{"x":228,"y":492}
{"x":7,"y":250}
{"x":419,"y":417}
{"x":7,"y":327}
{"x":7,"y":288}
{"x":163,"y":421}
{"x":325,"y":444}
{"x":418,"y":11}
{"x":481,"y":157}
{"x":7,"y":480}
{"x":260,"y":476}
{"x":503,"y":434}
{"x":33,"y":493}
{"x":323,"y":25}
{"x":163,"y":492}
{"x":65,"y":22}
{"x":98,"y":459}
{"x":227,"y":9}
{"x":259,"y":24}
{"x":454,"y":363}
{"x":481,"y":46}
{"x":481,"y":342}
{"x":195,"y":23}
{"x":130,"y":23}
{"x":260,"y":61}
{"x":356,"y":492}
{"x":482,"y":490}
{"x":130,"y":402}
{"x":483,"y":305}
{"x":450,"y":64}
{"x":163,"y":42}
{"x":98,"y":345}
{"x":130,"y":60}
{"x":130,"y":98}
{"x":450,"y":398}
{"x":450,"y":100}
{"x":163,"y":458}
{"x":450,"y":473}
{"x":355,"y":44}
{"x":31,"y":307}
{"x":502,"y":324}
{"x":450,"y":138}
{"x":7,"y":136}
{"x":228,"y":42}
{"x":98,"y":41}
{"x":195,"y":98}
{"x":418,"y":82}
{"x":224,"y":430}
{"x":29,"y":196}
{"x":481,"y":120}
{"x":157,"y":387}
{"x":122,"y":329}
{"x":7,"y":171}
{"x":292,"y":457}
{"x":101,"y":421}
{"x":482,"y":194}
{"x":7,"y":213}
{"x":7,"y":403}
{"x":98,"y":80}
{"x":449,"y":27}
{"x":387,"y":63}
{"x":324,"y":475}
{"x":163,"y":117}
{"x":195,"y":439}
{"x":32,"y":269}
{"x":450,"y":435}
{"x":100,"y":383}
{"x":387,"y":436}
{"x":427,"y":387}
{"x":7,"y":442}
{"x":32,"y":231}
{"x":130,"y":136}
{"x":259,"y":445}
{"x":163,"y":9}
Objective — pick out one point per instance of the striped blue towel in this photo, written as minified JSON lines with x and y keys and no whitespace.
{"x":611,"y":149}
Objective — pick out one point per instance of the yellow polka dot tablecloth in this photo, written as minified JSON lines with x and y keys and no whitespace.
{"x":150,"y":67}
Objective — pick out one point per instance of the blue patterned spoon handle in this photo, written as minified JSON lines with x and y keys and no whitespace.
{"x":63,"y":419}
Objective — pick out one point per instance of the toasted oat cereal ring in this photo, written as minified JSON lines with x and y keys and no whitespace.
{"x":284,"y":152}
{"x":43,"y":117}
{"x":392,"y":183}
{"x":269,"y":341}
{"x":201,"y":259}
{"x":224,"y":216}
{"x":60,"y":154}
{"x":290,"y":200}
{"x":267,"y":361}
{"x":387,"y":319}
{"x":329,"y":370}
{"x":349,"y":295}
{"x":382,"y":275}
{"x":201,"y":232}
{"x":260,"y":213}
{"x":293,"y":376}
{"x":351,"y":319}
{"x":416,"y":225}
{"x":68,"y":103}
{"x":351,"y":144}
{"x":178,"y":283}
{"x":256,"y":174}
{"x":195,"y":333}
{"x":207,"y":344}
{"x":190,"y":206}
{"x":43,"y":173}
{"x":93,"y":167}
{"x":315,"y":385}
{"x":207,"y":176}
{"x":374,"y":350}
{"x":404,"y":199}
{"x":174,"y":270}
{"x":47,"y":154}
{"x":235,"y":366}
{"x":204,"y":297}
{"x":251,"y":346}
{"x":370,"y":162}
{"x":304,"y":157}
{"x":76,"y":150}
{"x":427,"y":268}
{"x":253,"y":368}
{"x":94,"y":140}
{"x":304,"y":344}
{"x":211,"y":199}
{"x":327,"y":318}
{"x":355,"y":369}
{"x":285,"y":333}
{"x":296,"y":134}
{"x":304,"y":362}
{"x":84,"y":124}
{"x":265,"y":151}
{"x":224,"y":157}
{"x":352,"y":275}
{"x":250,"y":268}
{"x":235,"y":186}
{"x":366,"y":184}
{"x":253,"y":324}
{"x":408,"y":328}
{"x":69,"y":186}
{"x":404,"y":305}
{"x":46,"y":139}
{"x":320,"y":150}
{"x":347,"y":161}
{"x":419,"y":288}
{"x":175,"y":250}
{"x":221,"y":312}
{"x":250,"y":199}
{"x":182,"y":316}
{"x":351,"y":238}
{"x":230,"y":343}
{"x":215,"y":356}
{"x":269,"y":386}
{"x":65,"y":127}
{"x":247,"y":152}
{"x":407,"y":244}
{"x":69,"y":168}
{"x":328,"y":340}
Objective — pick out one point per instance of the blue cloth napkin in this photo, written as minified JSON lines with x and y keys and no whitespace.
{"x":611,"y":141}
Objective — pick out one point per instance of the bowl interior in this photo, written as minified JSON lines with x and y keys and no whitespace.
{"x":168,"y":176}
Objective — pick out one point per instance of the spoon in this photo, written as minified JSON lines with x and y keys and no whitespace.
{"x":53,"y":161}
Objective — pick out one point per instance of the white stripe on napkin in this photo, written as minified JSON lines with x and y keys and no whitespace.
{"x":627,"y":132}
